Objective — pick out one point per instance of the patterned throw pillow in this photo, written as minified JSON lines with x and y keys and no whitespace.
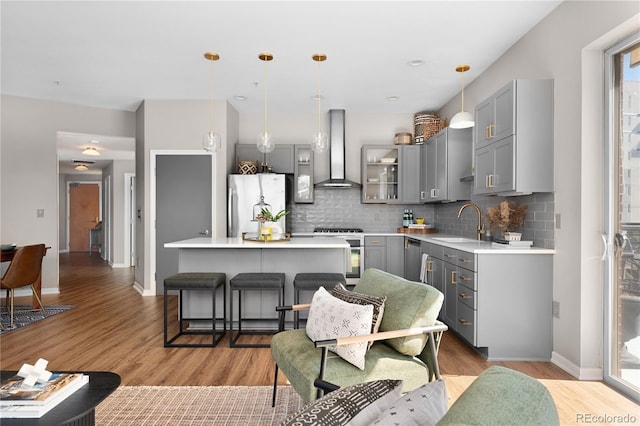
{"x":355,"y":405}
{"x":330,"y":318}
{"x":423,"y":406}
{"x":363,"y":299}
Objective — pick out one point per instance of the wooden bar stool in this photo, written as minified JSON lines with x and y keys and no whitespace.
{"x":312,"y":281}
{"x":186,"y":281}
{"x":253,"y":281}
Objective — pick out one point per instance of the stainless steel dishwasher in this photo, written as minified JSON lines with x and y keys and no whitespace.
{"x":412,"y":259}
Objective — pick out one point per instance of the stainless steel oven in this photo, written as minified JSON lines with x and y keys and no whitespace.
{"x":355,"y":238}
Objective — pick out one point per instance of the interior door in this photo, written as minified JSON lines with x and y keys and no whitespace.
{"x":183,"y":206}
{"x":84,"y":213}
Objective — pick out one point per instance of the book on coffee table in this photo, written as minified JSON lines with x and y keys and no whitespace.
{"x":17,"y":400}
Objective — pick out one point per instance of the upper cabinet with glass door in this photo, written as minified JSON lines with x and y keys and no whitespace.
{"x":391,"y":174}
{"x":303,"y":174}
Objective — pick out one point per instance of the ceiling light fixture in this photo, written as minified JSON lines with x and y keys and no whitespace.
{"x":81,"y":167}
{"x":211,"y":141}
{"x":463,"y":119}
{"x":320,"y":140}
{"x":415,"y":63}
{"x":265,"y":140}
{"x":91,"y":150}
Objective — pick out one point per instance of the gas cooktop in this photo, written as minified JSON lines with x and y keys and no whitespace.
{"x":338,"y":230}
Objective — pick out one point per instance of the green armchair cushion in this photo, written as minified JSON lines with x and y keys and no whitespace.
{"x":298,"y":357}
{"x":408,"y":305}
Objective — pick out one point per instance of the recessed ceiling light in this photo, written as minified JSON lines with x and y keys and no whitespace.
{"x":240,"y":97}
{"x":94,"y":141}
{"x":415,"y":63}
{"x":91,"y":150}
{"x":393,"y":98}
{"x":57,"y":82}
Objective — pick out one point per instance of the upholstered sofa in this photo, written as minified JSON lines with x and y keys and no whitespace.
{"x":499,"y":396}
{"x":404,"y":348}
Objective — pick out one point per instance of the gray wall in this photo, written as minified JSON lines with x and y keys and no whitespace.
{"x":29,"y":168}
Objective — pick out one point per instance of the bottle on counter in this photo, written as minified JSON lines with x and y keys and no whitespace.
{"x":410,"y":217}
{"x":405,"y":218}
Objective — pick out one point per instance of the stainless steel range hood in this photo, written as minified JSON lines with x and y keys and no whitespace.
{"x":337,"y":164}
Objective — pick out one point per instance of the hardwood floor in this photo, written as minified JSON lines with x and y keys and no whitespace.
{"x":112,"y":327}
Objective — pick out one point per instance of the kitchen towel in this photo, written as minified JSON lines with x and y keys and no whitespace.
{"x":423,"y":268}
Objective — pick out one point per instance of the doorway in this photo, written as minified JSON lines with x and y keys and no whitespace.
{"x":84,"y":214}
{"x":622,"y":212}
{"x":183,"y":206}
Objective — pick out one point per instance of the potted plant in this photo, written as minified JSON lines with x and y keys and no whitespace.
{"x":507,"y":216}
{"x":268,"y":223}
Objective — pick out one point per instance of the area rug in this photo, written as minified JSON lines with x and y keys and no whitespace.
{"x":22,"y":319}
{"x":197,"y":405}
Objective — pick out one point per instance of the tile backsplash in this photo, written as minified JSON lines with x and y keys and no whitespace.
{"x":342,"y":208}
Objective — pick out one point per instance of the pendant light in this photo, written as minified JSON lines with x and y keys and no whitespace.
{"x":463,"y":119}
{"x":211,"y":141}
{"x":320,"y":140}
{"x":265,"y":141}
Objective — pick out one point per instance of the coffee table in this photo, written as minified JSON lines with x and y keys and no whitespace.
{"x":79,"y":407}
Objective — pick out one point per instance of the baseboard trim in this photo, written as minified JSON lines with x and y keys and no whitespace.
{"x":26,"y":291}
{"x":140,"y":289}
{"x":575,"y":370}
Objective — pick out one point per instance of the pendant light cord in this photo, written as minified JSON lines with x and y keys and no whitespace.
{"x":211,"y":104}
{"x":462,"y":93}
{"x":319,"y":100}
{"x":266,"y":79}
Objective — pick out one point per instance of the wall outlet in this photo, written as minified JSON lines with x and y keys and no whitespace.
{"x":556,"y":309}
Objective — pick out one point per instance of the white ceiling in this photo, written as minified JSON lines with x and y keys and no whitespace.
{"x":114,"y":54}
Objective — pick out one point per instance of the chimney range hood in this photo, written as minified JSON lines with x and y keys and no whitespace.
{"x":337,"y":164}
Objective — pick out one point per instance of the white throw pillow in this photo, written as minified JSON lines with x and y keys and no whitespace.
{"x":330,"y":318}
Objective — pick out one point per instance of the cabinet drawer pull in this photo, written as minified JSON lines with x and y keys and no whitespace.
{"x":464,"y":322}
{"x":449,"y":255}
{"x":466,"y":260}
{"x":453,"y":278}
{"x":375,"y":241}
{"x":464,"y":296}
{"x":465,"y":278}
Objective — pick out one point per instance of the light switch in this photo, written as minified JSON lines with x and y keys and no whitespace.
{"x":40,"y":213}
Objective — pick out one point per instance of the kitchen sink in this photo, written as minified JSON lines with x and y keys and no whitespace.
{"x":455,"y":240}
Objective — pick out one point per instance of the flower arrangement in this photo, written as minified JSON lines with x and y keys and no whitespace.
{"x":507,"y":216}
{"x":266,"y":215}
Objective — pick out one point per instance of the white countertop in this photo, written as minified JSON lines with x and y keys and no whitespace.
{"x":297,"y":242}
{"x":469,"y":245}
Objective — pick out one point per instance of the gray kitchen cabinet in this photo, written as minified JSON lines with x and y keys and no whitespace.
{"x":395,"y":254}
{"x":500,"y":303}
{"x":375,"y":253}
{"x":281,"y":159}
{"x":303,"y":174}
{"x":409,"y":167}
{"x":514,"y":139}
{"x":385,"y":253}
{"x":412,"y":259}
{"x":390,"y":174}
{"x":446,"y":158}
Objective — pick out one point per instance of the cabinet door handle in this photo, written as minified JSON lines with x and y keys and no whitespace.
{"x":486,"y":132}
{"x":464,"y":296}
{"x":491,"y":135}
{"x":422,"y":195}
{"x":429,"y":266}
{"x":464,"y":322}
{"x":490,"y":183}
{"x":486,"y":181}
{"x":453,"y":277}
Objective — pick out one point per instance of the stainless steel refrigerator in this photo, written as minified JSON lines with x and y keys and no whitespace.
{"x":244,"y":193}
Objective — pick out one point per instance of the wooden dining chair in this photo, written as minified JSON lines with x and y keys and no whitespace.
{"x":24,"y":270}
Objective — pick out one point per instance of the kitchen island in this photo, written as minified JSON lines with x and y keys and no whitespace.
{"x":235,"y":255}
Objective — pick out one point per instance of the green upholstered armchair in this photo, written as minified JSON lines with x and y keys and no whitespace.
{"x":405,"y":347}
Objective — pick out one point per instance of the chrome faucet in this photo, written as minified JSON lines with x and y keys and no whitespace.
{"x":480,"y":224}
